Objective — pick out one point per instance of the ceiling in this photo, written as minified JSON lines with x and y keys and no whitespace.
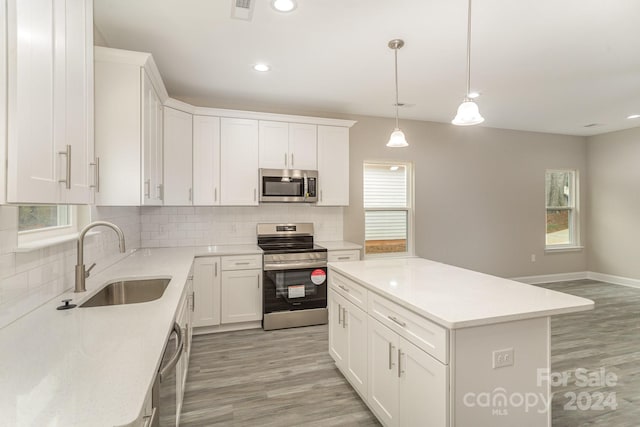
{"x":542,"y":65}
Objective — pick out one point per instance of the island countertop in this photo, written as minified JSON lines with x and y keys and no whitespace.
{"x":455,"y":297}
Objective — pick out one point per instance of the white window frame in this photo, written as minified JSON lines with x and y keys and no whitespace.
{"x":41,"y":237}
{"x":574,"y":214}
{"x":409,"y":209}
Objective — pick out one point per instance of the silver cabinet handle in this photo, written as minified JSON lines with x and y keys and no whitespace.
{"x":215,"y":194}
{"x":395,"y":320}
{"x":320,"y":195}
{"x":285,"y":160}
{"x":343,"y":257}
{"x":292,"y":160}
{"x":344,"y":289}
{"x":149,"y":419}
{"x":339,"y":314}
{"x":390,"y":356}
{"x":190,"y":194}
{"x":174,"y":360}
{"x":96,"y":174}
{"x":344,"y":317}
{"x":216,"y":269}
{"x":242,"y":263}
{"x":67,"y":179}
{"x":147,"y":188}
{"x":193,"y":301}
{"x":399,"y":363}
{"x":160,"y":188}
{"x":254,"y":195}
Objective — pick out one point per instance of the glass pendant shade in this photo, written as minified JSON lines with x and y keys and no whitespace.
{"x":468,"y":114}
{"x":397,"y":139}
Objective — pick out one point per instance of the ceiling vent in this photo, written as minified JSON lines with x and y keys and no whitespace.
{"x":242,"y":9}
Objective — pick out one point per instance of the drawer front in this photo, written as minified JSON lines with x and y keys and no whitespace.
{"x":349,"y":289}
{"x":423,"y":333}
{"x":241,"y":262}
{"x":336,"y":256}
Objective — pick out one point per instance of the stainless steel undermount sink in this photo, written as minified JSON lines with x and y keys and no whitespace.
{"x":128,"y":292}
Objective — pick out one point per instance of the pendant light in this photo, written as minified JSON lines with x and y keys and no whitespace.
{"x":397,"y":138}
{"x":468,"y":113}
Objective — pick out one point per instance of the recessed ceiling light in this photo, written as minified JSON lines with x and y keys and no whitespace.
{"x":283,"y":5}
{"x":473,"y":95}
{"x":634,"y":116}
{"x":261,"y":67}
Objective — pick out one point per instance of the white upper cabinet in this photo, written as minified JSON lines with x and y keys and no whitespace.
{"x":178,"y":157}
{"x":238,"y":162}
{"x":50,"y":101}
{"x":206,"y":161}
{"x":128,"y":128}
{"x":287,"y":145}
{"x":333,"y":166}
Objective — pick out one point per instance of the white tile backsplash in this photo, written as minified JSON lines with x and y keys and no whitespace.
{"x":29,"y":279}
{"x":188,"y":226}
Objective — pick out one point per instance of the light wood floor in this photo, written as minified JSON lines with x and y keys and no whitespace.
{"x":286,"y":377}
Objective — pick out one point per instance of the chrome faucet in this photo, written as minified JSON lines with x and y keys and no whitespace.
{"x":81,"y":272}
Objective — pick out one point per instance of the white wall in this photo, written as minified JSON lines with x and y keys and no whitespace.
{"x":614,"y":203}
{"x":479,"y":192}
{"x":28,"y":280}
{"x":189,"y":226}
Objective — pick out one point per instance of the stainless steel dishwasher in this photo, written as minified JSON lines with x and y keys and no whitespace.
{"x":163,"y":395}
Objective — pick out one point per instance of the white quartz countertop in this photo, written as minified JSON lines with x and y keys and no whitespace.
{"x":94,"y":366}
{"x":339,"y":245}
{"x":455,"y":297}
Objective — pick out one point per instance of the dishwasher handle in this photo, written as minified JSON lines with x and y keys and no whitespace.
{"x":174,"y":360}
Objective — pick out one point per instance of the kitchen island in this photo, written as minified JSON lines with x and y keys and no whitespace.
{"x":425,"y":343}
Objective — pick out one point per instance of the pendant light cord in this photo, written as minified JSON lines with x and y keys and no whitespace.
{"x":466,"y":95}
{"x":396,"y":68}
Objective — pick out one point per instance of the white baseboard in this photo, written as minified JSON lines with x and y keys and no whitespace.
{"x":616,"y":280}
{"x":202,"y":330}
{"x":548,"y":278}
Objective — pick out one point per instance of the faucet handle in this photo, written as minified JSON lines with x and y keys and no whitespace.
{"x":88,"y":272}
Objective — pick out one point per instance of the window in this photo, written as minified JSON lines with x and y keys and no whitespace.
{"x":387,"y":206}
{"x":562,"y":209}
{"x":43,"y":222}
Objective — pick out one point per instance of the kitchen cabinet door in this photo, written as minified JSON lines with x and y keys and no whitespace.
{"x":241,"y":296}
{"x":183,"y":363}
{"x":356,"y":366}
{"x":206,"y":291}
{"x":333,"y":166}
{"x":424,"y":387}
{"x":178,"y":157}
{"x":303,"y":145}
{"x":50,"y":87}
{"x":239,"y":162}
{"x":382,"y":393}
{"x":274,"y":145}
{"x":337,"y":332}
{"x":206,"y":161}
{"x":152,"y":185}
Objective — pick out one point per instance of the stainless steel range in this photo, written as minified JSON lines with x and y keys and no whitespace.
{"x":295,"y":276}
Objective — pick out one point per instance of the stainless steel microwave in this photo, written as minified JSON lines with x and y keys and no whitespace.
{"x":288,"y":185}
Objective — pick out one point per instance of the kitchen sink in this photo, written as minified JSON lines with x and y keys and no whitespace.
{"x":128,"y":292}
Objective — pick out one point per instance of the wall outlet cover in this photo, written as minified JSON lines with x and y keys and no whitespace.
{"x":502,"y":358}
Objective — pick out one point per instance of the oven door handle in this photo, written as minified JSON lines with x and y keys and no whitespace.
{"x":294,"y":265}
{"x":174,"y":360}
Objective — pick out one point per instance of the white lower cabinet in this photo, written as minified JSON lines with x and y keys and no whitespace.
{"x":184,"y":320}
{"x":241,"y":296}
{"x":348,"y":255}
{"x":227,"y":290}
{"x":407,"y":387}
{"x":206,"y":289}
{"x":348,"y":340}
{"x":402,"y":383}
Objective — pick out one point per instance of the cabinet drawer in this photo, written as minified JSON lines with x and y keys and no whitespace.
{"x":241,"y":262}
{"x":349,"y":289}
{"x":423,"y":333}
{"x":335,"y":256}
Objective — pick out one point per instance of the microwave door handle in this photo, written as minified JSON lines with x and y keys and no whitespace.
{"x":305,"y":187}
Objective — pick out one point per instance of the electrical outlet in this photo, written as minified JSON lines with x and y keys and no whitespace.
{"x":502,"y":358}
